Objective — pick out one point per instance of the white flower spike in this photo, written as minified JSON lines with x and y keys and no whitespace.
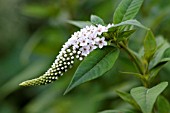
{"x":78,"y":46}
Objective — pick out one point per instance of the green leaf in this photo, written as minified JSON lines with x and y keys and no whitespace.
{"x":162,"y":45}
{"x":162,"y":105}
{"x":96,"y":20}
{"x":80,"y":24}
{"x":125,"y":34}
{"x":154,"y":71}
{"x":147,"y":97}
{"x":116,"y":111}
{"x":127,"y":98}
{"x":126,"y":10}
{"x":166,"y":55}
{"x":165,"y":58}
{"x":149,"y":45}
{"x":94,"y":65}
{"x":130,"y":22}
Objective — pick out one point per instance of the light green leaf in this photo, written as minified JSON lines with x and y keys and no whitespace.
{"x":154,"y":71}
{"x":166,"y":55}
{"x":130,"y":22}
{"x":149,"y":45}
{"x":94,"y":65}
{"x":126,"y":10}
{"x":96,"y":20}
{"x":147,"y":97}
{"x":116,"y":111}
{"x":80,"y":24}
{"x":127,"y":98}
{"x":162,"y":105}
{"x":165,"y":58}
{"x":162,"y":45}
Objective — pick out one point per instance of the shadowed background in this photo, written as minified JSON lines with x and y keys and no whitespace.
{"x":31,"y":35}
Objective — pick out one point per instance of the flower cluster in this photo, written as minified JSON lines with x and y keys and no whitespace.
{"x":78,"y":46}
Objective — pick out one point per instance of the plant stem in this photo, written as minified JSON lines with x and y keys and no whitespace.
{"x":138,"y":64}
{"x":133,"y":57}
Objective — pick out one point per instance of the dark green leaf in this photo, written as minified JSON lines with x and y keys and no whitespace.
{"x":126,"y":10}
{"x":125,"y":34}
{"x":149,"y":45}
{"x":96,"y":20}
{"x":147,"y":97}
{"x":162,"y":105}
{"x":80,"y":24}
{"x":94,"y":65}
{"x":113,"y":29}
{"x":166,"y":53}
{"x":127,"y":98}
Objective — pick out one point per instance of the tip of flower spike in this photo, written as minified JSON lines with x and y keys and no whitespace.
{"x":23,"y":84}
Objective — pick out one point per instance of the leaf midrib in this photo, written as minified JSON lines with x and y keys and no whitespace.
{"x":94,"y":66}
{"x":126,"y":10}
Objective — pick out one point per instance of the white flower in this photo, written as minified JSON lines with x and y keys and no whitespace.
{"x":84,"y":33}
{"x":110,"y":25}
{"x":92,"y":47}
{"x":85,"y":50}
{"x":92,"y":38}
{"x":101,"y":42}
{"x":83,"y":41}
{"x":101,"y":29}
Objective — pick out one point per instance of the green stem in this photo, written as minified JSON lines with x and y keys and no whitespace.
{"x":138,"y":64}
{"x":133,"y":57}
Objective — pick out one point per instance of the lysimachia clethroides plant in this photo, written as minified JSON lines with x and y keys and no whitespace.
{"x":97,"y":46}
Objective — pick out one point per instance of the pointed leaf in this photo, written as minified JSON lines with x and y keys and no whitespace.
{"x":80,"y":24}
{"x":125,"y":34}
{"x":163,"y":106}
{"x":94,"y":65}
{"x":165,"y":58}
{"x":147,"y":97}
{"x":128,"y":98}
{"x":154,"y":71}
{"x":126,"y":10}
{"x":166,"y":55}
{"x":96,"y":20}
{"x":130,"y":22}
{"x":149,"y":45}
{"x":162,"y":45}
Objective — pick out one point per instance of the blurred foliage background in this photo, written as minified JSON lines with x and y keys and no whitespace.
{"x":31,"y":35}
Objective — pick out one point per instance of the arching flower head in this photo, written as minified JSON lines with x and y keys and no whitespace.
{"x":78,"y":46}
